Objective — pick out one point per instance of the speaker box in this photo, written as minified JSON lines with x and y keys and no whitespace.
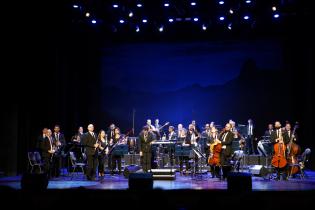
{"x":131,"y":169}
{"x":238,"y":181}
{"x":34,"y":182}
{"x":258,"y":170}
{"x":140,"y":181}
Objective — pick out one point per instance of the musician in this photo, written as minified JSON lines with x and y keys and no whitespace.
{"x":101,"y":138}
{"x":226,"y":139}
{"x":269,"y":131}
{"x":181,"y":131}
{"x":90,"y":142}
{"x":288,"y":133}
{"x":59,"y":144}
{"x":110,"y":132}
{"x":145,"y":138}
{"x":153,"y":130}
{"x":277,"y":136}
{"x":206,"y":134}
{"x":185,"y":159}
{"x":41,"y":138}
{"x":250,"y":137}
{"x":157,"y":124}
{"x":76,"y":144}
{"x":196,"y":127}
{"x":46,"y":147}
{"x":116,"y":159}
{"x":172,"y":136}
{"x":214,"y":135}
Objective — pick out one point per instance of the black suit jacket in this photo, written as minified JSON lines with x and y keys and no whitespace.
{"x":45,"y":146}
{"x":274,"y":136}
{"x":173,"y":136}
{"x":287,"y":137}
{"x":228,"y":143}
{"x":267,"y":133}
{"x":88,"y":142}
{"x":145,"y":146}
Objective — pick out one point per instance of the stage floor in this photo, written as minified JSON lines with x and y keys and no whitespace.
{"x":205,"y":182}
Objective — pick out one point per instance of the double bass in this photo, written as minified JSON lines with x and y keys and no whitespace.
{"x":215,"y":151}
{"x":279,"y":158}
{"x":293,"y":150}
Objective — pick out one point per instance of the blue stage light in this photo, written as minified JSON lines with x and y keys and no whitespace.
{"x":246,"y":17}
{"x":137,"y":29}
{"x":196,"y":19}
{"x":75,"y":6}
{"x":221,"y":2}
{"x":248,"y":1}
{"x":161,"y":29}
{"x":222,"y":18}
{"x":139,"y":5}
{"x":144,"y":21}
{"x":193,"y":3}
{"x":171,"y":20}
{"x":121,"y":21}
{"x":93,"y":21}
{"x":166,"y":4}
{"x":204,"y":27}
{"x":115,"y":5}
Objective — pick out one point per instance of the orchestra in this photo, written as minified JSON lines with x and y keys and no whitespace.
{"x":185,"y":148}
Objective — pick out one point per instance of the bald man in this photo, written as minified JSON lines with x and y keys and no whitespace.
{"x":90,"y":143}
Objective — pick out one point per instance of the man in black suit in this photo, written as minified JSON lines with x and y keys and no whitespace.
{"x":288,"y":134}
{"x":226,"y":139}
{"x":59,"y":145}
{"x":250,"y":144}
{"x":172,"y":136}
{"x":269,"y":131}
{"x":46,"y":147}
{"x":90,"y":142}
{"x":145,"y":138}
{"x":41,"y":138}
{"x":277,"y":136}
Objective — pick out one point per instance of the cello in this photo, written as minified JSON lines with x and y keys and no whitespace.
{"x":279,"y":158}
{"x":293,"y":150}
{"x":215,"y":150}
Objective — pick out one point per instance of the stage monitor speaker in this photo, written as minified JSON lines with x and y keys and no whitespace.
{"x":140,"y":181}
{"x":258,"y":170}
{"x":131,"y":169}
{"x":34,"y":182}
{"x":239,"y":181}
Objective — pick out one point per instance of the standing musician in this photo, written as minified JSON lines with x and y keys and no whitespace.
{"x":206,"y":134}
{"x":145,"y":138}
{"x":101,"y":138}
{"x":116,"y":159}
{"x":214,"y":153}
{"x":277,"y":139}
{"x":59,"y":143}
{"x":225,"y":139}
{"x":181,"y":132}
{"x":250,"y":137}
{"x":269,"y":131}
{"x":46,"y":147}
{"x":110,"y":132}
{"x":90,"y":143}
{"x":172,"y":136}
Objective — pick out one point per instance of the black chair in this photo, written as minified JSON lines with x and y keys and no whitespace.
{"x":75,"y":164}
{"x":34,"y":160}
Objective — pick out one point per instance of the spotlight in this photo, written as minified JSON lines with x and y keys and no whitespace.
{"x":137,"y":29}
{"x":230,"y":26}
{"x":193,"y":3}
{"x":166,"y":5}
{"x":276,"y":15}
{"x":75,"y":6}
{"x":274,"y":8}
{"x":231,"y":11}
{"x":204,"y":27}
{"x":93,"y":21}
{"x":87,"y":14}
{"x":248,"y":1}
{"x":115,"y":5}
{"x":196,"y":19}
{"x":222,"y":18}
{"x":246,"y":17}
{"x":144,"y":21}
{"x":171,"y":20}
{"x":221,"y":2}
{"x":139,"y":5}
{"x":130,"y":14}
{"x":121,"y":21}
{"x":161,"y":29}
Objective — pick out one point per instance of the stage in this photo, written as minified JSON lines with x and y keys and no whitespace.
{"x":182,"y":182}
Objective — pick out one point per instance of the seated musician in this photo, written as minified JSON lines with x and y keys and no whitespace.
{"x":172,"y":136}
